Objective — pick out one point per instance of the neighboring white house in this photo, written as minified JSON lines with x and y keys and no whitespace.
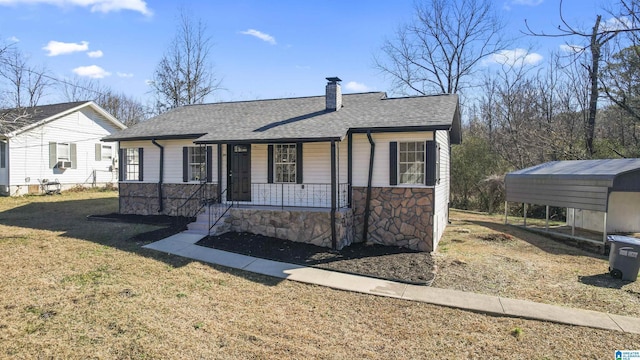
{"x":56,"y":146}
{"x":327,"y":170}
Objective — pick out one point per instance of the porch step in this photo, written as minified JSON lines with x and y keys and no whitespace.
{"x":201,"y":225}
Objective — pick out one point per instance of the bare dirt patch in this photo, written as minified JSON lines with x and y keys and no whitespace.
{"x":479,"y":253}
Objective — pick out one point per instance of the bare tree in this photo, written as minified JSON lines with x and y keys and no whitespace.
{"x":124,"y":108}
{"x":26,"y":84}
{"x":185,"y":74}
{"x":599,"y":35}
{"x":441,"y":48}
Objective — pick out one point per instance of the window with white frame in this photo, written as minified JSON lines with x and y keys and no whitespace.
{"x":106,"y":153}
{"x":63,"y":152}
{"x":284,"y":161}
{"x":197,"y":168}
{"x":131,"y":164}
{"x":411,"y":162}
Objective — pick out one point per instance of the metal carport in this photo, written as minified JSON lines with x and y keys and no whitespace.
{"x":574,"y":184}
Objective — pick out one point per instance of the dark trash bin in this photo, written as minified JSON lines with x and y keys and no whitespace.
{"x":624,"y":257}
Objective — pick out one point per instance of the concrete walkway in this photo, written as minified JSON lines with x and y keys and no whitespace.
{"x":183,"y":244}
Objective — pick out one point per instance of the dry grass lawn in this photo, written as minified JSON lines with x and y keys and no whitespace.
{"x":74,"y":289}
{"x":479,"y":253}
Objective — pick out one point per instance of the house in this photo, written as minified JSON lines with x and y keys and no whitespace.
{"x":327,"y":170}
{"x":52,"y":147}
{"x":600,"y":195}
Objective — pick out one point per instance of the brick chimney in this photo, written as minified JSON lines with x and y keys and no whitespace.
{"x":333,"y":95}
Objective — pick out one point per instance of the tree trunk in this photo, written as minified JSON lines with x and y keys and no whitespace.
{"x":593,"y":100}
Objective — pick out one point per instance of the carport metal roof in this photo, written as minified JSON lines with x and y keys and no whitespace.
{"x":579,"y":184}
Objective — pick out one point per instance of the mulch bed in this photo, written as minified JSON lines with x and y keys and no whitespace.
{"x":372,"y":260}
{"x":384,"y":262}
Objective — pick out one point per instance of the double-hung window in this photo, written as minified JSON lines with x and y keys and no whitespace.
{"x":197,"y":157}
{"x":411,"y":162}
{"x":131,"y":164}
{"x":106,"y":153}
{"x":62,"y":155}
{"x":284,"y":161}
{"x":63,"y":152}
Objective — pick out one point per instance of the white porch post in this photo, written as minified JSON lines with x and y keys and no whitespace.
{"x":604,"y":231}
{"x":547,"y":218}
{"x":573,"y":222}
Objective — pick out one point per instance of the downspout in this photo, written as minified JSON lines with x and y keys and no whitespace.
{"x":367,"y":204}
{"x":334,"y":188}
{"x":160,"y":204}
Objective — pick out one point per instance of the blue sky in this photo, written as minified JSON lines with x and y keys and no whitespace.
{"x":262,"y":49}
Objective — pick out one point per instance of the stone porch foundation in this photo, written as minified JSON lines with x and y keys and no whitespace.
{"x":398,"y":216}
{"x":142,"y":198}
{"x":312,"y":226}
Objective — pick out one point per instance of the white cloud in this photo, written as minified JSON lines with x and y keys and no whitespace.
{"x":56,"y":48}
{"x":95,"y":54}
{"x":260,"y":35}
{"x":356,"y":87}
{"x":124,"y":75}
{"x":13,"y":39}
{"x":104,"y":6}
{"x":514,"y":57}
{"x":570,"y":48}
{"x":92,"y":71}
{"x":614,"y":24}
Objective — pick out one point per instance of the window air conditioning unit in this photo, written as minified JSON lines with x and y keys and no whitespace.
{"x":64,"y":164}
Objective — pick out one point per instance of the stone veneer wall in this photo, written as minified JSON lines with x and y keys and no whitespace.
{"x":307,"y":226}
{"x":398,"y":216}
{"x":142,"y":198}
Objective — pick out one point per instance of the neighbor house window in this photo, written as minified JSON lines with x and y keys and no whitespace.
{"x":284,"y":161}
{"x":3,"y":155}
{"x":63,"y":152}
{"x":197,"y":163}
{"x":411,"y":162}
{"x":107,"y":153}
{"x":62,"y":155}
{"x":131,"y":164}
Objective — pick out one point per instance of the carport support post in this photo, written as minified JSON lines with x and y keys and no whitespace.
{"x":573,"y":222}
{"x":506,"y":212}
{"x":547,"y":219}
{"x":604,"y":232}
{"x":525,"y":214}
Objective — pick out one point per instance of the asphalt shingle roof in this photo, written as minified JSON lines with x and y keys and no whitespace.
{"x":296,"y":118}
{"x":14,"y":119}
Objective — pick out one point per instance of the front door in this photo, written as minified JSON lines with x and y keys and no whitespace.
{"x":239,"y":176}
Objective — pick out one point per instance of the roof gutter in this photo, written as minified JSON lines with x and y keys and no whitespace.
{"x":160,"y":203}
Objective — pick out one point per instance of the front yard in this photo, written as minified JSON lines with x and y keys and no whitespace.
{"x":71,"y":288}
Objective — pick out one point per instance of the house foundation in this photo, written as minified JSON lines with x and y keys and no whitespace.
{"x":398,"y":216}
{"x":311,"y":226}
{"x":142,"y":198}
